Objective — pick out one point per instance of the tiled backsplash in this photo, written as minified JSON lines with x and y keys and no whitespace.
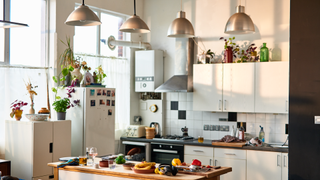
{"x":179,"y":113}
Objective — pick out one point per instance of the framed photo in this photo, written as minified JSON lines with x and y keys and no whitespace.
{"x":113,"y":93}
{"x":113,"y":103}
{"x":109,"y":112}
{"x":108,"y":93}
{"x":88,"y":78}
{"x":92,"y":91}
{"x":108,"y":102}
{"x":93,"y":103}
{"x":104,"y":92}
{"x":102,"y":102}
{"x":99,"y":91}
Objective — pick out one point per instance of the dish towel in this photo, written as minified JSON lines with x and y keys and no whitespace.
{"x":72,"y":162}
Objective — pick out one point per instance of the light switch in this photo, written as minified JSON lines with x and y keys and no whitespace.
{"x":317,"y":119}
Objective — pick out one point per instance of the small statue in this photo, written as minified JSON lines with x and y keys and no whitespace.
{"x":31,"y":93}
{"x":95,"y":79}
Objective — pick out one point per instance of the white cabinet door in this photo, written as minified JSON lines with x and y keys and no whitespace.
{"x":42,"y":151}
{"x":272,"y":87}
{"x":207,"y":87}
{"x":285,"y":168}
{"x":43,"y":178}
{"x":205,"y":160}
{"x":238,"y":168}
{"x":263,"y":165}
{"x":238,"y":87}
{"x":61,"y":139}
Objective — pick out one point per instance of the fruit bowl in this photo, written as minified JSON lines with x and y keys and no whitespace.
{"x":37,"y":117}
{"x":142,"y":171}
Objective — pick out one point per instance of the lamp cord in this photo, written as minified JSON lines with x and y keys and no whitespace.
{"x":200,"y":46}
{"x":82,"y":2}
{"x":134,"y":7}
{"x":181,"y":5}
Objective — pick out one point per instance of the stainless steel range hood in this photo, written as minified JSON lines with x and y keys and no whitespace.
{"x":182,"y":81}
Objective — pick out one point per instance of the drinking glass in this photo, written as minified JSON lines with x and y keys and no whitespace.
{"x":93,"y":152}
{"x":89,"y":160}
{"x":200,"y":139}
{"x":82,"y":160}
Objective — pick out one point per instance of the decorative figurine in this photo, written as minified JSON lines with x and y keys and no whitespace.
{"x":31,"y":93}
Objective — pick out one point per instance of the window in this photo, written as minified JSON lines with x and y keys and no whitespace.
{"x":26,"y":45}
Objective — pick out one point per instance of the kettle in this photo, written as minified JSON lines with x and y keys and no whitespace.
{"x":157,"y":129}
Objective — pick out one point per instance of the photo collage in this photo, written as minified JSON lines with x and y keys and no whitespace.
{"x":106,"y":98}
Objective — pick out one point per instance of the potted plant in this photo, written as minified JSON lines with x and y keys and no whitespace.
{"x":62,"y":104}
{"x":100,"y":75}
{"x":16,"y":109}
{"x":205,"y":58}
{"x":248,"y":55}
{"x":230,"y":49}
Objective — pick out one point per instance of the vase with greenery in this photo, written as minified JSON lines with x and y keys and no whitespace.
{"x":248,"y":55}
{"x":16,"y":109}
{"x":100,"y":75}
{"x":231,"y":49}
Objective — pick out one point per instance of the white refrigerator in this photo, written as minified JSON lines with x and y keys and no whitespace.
{"x":93,"y":122}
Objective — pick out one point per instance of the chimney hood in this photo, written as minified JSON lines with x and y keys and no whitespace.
{"x":182,"y":81}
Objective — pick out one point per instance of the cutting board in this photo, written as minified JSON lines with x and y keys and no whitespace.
{"x":211,"y":173}
{"x":231,"y":144}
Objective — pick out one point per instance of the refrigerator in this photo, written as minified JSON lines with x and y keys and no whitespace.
{"x":93,"y":122}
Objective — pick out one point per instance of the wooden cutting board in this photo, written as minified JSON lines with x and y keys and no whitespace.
{"x":211,"y":173}
{"x":231,"y":144}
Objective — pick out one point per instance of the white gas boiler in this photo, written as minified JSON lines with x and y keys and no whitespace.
{"x":148,"y":70}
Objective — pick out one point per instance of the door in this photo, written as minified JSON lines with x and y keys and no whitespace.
{"x":285,"y":167}
{"x":207,"y":87}
{"x":42,"y":148}
{"x":238,"y":87}
{"x":205,"y":160}
{"x":272,"y":87}
{"x":238,"y":168}
{"x":263,"y":165}
{"x":61,"y":139}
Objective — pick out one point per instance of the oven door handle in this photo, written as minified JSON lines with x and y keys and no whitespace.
{"x":165,"y":151}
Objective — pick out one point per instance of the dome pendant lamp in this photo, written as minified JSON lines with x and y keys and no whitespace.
{"x":83,"y":16}
{"x":134,"y":24}
{"x":239,"y":23}
{"x":181,"y":27}
{"x":9,"y":24}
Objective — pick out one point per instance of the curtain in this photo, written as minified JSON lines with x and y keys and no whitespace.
{"x":13,"y":87}
{"x":118,"y":76}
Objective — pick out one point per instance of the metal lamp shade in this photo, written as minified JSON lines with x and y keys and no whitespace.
{"x":181,"y":27}
{"x":83,"y":16}
{"x":239,"y":23}
{"x":134,"y":25}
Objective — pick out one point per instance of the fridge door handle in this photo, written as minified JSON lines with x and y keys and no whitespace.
{"x":50,"y":147}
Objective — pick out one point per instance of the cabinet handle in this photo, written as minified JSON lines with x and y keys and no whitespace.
{"x":225,"y":104}
{"x":219,"y":104}
{"x":284,"y":161}
{"x":286,"y":105}
{"x":229,"y":154}
{"x":50,"y":147}
{"x":278,"y":164}
{"x":215,"y":162}
{"x":197,"y":150}
{"x":210,"y":160}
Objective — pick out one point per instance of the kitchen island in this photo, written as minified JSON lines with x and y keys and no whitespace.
{"x":87,"y":172}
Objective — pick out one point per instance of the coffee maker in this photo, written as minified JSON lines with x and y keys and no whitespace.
{"x":185,"y":131}
{"x":157,"y":129}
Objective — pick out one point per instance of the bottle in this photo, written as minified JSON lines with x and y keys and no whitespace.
{"x":261,"y":134}
{"x":241,"y":132}
{"x":264,"y":53}
{"x":232,"y":132}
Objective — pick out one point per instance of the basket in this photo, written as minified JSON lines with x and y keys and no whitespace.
{"x":150,"y":133}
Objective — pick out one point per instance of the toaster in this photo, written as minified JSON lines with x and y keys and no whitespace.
{"x":136,"y":131}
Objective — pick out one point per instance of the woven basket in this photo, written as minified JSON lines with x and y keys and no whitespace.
{"x":150,"y":133}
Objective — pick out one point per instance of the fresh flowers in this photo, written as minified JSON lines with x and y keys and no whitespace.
{"x":16,"y":105}
{"x":62,"y":104}
{"x":100,"y":75}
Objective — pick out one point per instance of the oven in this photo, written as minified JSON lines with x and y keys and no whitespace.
{"x":164,"y":153}
{"x":144,"y":150}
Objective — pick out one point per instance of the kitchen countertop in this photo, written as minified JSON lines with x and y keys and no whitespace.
{"x":205,"y":143}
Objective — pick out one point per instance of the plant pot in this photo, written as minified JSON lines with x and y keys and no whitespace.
{"x":18,"y":114}
{"x":228,"y":55}
{"x":76,"y":74}
{"x":61,"y":115}
{"x":67,"y":82}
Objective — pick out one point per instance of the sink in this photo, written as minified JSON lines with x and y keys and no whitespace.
{"x":279,"y":145}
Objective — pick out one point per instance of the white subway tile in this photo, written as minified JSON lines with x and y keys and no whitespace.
{"x":282,"y":118}
{"x":190,"y":106}
{"x":207,"y":123}
{"x":215,"y":135}
{"x":167,"y":123}
{"x":280,"y":138}
{"x":174,"y":123}
{"x":206,"y":116}
{"x":182,"y":105}
{"x":167,"y":132}
{"x":206,"y":134}
{"x":197,"y":124}
{"x":190,"y":97}
{"x":241,"y":117}
{"x":251,"y":118}
{"x":270,"y":128}
{"x":168,"y":114}
{"x":173,"y":131}
{"x":189,"y":124}
{"x":182,"y":96}
{"x":280,"y":127}
{"x":197,"y":115}
{"x":260,"y":118}
{"x":222,"y":114}
{"x":269,"y":138}
{"x":191,"y":132}
{"x":168,"y":105}
{"x":167,"y":96}
{"x":214,"y":117}
{"x":197,"y":133}
{"x":251,"y":129}
{"x":189,"y":115}
{"x":181,"y":123}
{"x":174,"y":114}
{"x":174,"y":96}
{"x":271,"y":118}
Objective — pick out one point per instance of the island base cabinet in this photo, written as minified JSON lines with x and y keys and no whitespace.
{"x":238,"y":168}
{"x":85,"y":176}
{"x":205,"y":160}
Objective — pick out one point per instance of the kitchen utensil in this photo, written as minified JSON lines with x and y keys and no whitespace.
{"x":157,"y":129}
{"x":185,"y":131}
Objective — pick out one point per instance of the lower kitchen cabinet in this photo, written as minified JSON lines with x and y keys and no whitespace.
{"x":231,"y":158}
{"x":203,"y":154}
{"x":267,"y":165}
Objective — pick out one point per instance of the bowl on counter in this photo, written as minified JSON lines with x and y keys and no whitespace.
{"x":128,"y":166}
{"x":104,"y":163}
{"x":37,"y":117}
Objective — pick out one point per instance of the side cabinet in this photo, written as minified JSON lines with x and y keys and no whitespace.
{"x":272,"y":87}
{"x":203,"y":154}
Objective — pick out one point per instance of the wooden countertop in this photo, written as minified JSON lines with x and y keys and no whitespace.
{"x":120,"y":172}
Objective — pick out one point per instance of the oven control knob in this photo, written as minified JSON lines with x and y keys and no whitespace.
{"x":171,"y":147}
{"x":160,"y":146}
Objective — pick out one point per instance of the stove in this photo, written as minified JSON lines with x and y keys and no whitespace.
{"x":174,"y":138}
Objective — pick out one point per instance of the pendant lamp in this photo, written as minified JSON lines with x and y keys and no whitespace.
{"x":181,"y":27}
{"x":239,"y":23}
{"x":9,"y":24}
{"x":134,"y":24}
{"x":83,"y":16}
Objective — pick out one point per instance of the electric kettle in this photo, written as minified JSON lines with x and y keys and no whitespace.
{"x":157,"y":129}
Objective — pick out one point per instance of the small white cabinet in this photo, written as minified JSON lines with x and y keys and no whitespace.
{"x":30,"y":145}
{"x":203,"y":154}
{"x":264,"y":165}
{"x":272,"y":87}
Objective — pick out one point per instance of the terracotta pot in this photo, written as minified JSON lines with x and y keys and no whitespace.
{"x":18,"y":114}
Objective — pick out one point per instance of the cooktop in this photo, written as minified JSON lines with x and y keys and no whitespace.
{"x":174,"y":138}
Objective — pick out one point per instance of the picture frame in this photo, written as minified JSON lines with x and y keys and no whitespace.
{"x":92,"y":92}
{"x":108,"y":102}
{"x":113,"y":103}
{"x":99,"y":92}
{"x":113,"y":93}
{"x":104,"y":92}
{"x":109,"y":112}
{"x":108,"y":93}
{"x":102,"y":102}
{"x":92,"y":103}
{"x":88,"y":78}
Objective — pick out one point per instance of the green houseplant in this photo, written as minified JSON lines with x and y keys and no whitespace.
{"x":100,"y":75}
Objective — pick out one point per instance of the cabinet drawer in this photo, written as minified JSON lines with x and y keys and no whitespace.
{"x":198,"y":150}
{"x":230,"y":153}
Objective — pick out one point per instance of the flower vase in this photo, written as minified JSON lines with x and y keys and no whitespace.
{"x":228,"y":55}
{"x":18,"y":114}
{"x":31,"y":111}
{"x":61,"y":115}
{"x":77,"y":74}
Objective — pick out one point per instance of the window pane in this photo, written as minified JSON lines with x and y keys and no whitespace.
{"x":110,"y":26}
{"x":85,"y":39}
{"x":27,"y":44}
{"x":1,"y":35}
